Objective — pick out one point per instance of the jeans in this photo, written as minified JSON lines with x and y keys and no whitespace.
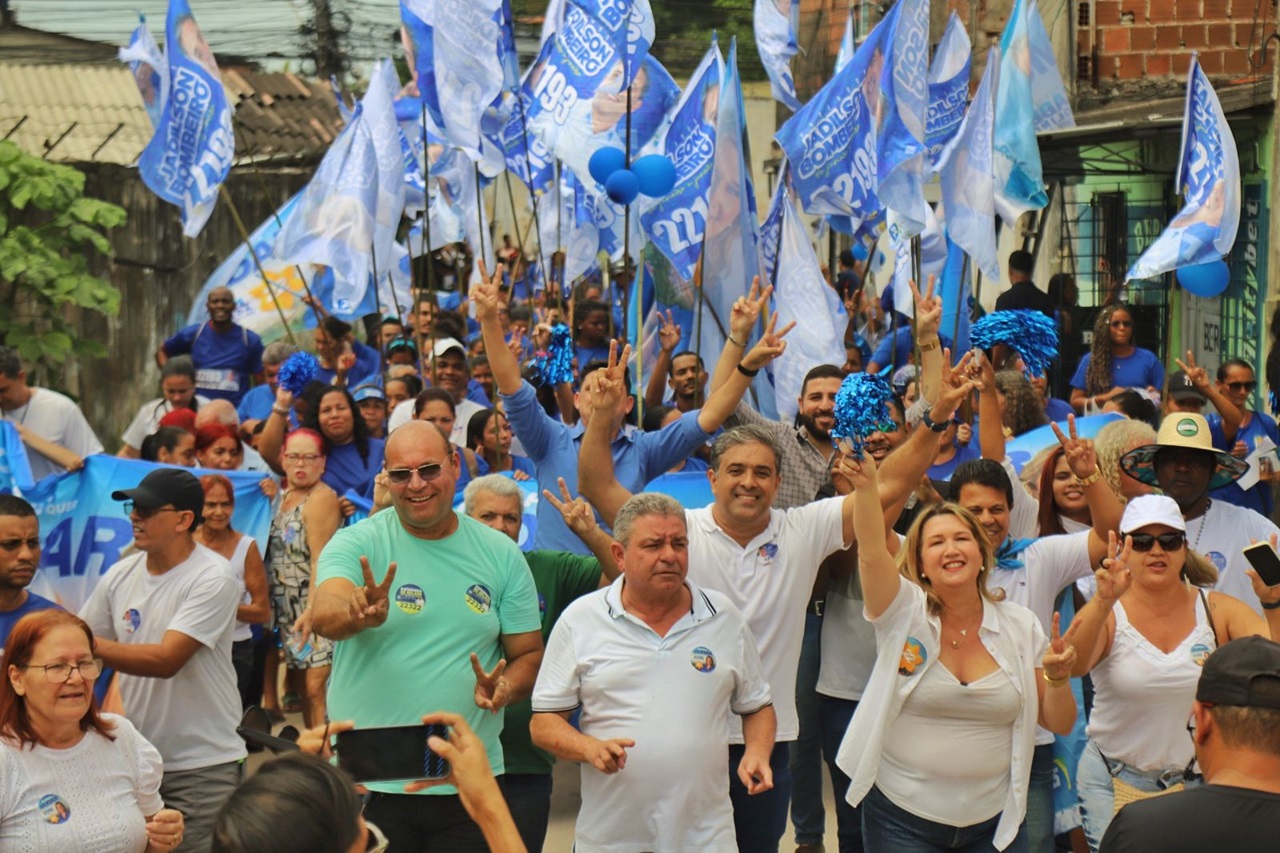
{"x":885,"y":827}
{"x":419,"y":822}
{"x":529,"y":798}
{"x":760,"y":820}
{"x":1097,"y":797}
{"x":1040,"y":810}
{"x":807,"y":813}
{"x":836,"y":714}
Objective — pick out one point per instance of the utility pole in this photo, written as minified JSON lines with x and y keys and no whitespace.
{"x":322,"y":38}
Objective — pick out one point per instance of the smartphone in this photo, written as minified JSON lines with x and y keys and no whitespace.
{"x":392,"y":754}
{"x":1265,"y":562}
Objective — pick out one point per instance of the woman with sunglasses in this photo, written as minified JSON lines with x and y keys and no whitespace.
{"x":306,"y":520}
{"x":1144,"y":637}
{"x":72,"y":778}
{"x":1114,"y":363}
{"x":1240,"y":432}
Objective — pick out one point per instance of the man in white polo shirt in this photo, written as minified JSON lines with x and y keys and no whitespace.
{"x":628,"y":655}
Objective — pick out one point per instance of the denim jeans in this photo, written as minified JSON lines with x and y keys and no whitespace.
{"x":836,"y":714}
{"x":807,"y":814}
{"x":760,"y":820}
{"x":529,"y":798}
{"x":1097,"y":797}
{"x":1040,"y":810}
{"x":885,"y":827}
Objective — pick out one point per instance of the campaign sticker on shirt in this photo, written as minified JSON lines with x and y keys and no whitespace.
{"x":479,"y":598}
{"x":767,"y":552}
{"x":1218,"y":559}
{"x":1200,"y":653}
{"x":913,"y":657}
{"x":703,"y":660}
{"x":542,"y":607}
{"x":132,"y":620}
{"x":411,"y":599}
{"x":54,"y":809}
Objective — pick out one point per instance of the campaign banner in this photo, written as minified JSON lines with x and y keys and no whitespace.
{"x":1023,"y":449}
{"x":84,"y":531}
{"x":15,"y":467}
{"x":948,"y":88}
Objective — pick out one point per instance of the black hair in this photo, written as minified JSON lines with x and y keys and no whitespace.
{"x":520,"y":312}
{"x":477,"y":425}
{"x":1020,"y":261}
{"x":166,"y":438}
{"x":1057,"y":288}
{"x":10,"y":362}
{"x":654,"y":416}
{"x":684,"y":352}
{"x":335,"y":328}
{"x":296,"y":803}
{"x":426,"y":395}
{"x":412,"y":383}
{"x":822,"y":371}
{"x":179,"y":365}
{"x":448,"y":324}
{"x":15,"y":506}
{"x":1135,"y":406}
{"x":981,"y":472}
{"x":314,"y":394}
{"x":1229,"y":363}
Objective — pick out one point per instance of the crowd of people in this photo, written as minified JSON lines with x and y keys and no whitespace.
{"x":915,"y":614}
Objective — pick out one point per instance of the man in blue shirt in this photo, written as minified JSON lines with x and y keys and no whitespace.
{"x":19,"y":559}
{"x":226,"y":354}
{"x":256,"y":405}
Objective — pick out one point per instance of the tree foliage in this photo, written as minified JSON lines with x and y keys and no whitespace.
{"x":49,"y":231}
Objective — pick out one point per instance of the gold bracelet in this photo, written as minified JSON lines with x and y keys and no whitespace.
{"x":1054,"y":682}
{"x":1091,"y":479}
{"x":284,"y":413}
{"x":929,"y":346}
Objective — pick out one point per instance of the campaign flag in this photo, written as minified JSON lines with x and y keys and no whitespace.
{"x":1052,"y":106}
{"x":84,"y":530}
{"x":467,"y":39}
{"x":417,"y":35}
{"x":775,"y":23}
{"x":801,"y":295}
{"x":1019,"y":177}
{"x":190,"y":153}
{"x":845,"y":53}
{"x":551,"y":20}
{"x":965,"y":176}
{"x":933,"y":256}
{"x":901,"y":114}
{"x":948,"y":88}
{"x":1209,"y":176}
{"x":349,"y":212}
{"x":953,"y":289}
{"x":15,"y":466}
{"x":676,"y":223}
{"x":771,"y":227}
{"x":150,"y":69}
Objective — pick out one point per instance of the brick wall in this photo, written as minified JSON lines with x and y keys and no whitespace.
{"x":1125,"y":41}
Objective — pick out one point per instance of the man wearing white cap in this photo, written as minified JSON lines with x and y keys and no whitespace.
{"x":1185,"y":465}
{"x":450,"y":372}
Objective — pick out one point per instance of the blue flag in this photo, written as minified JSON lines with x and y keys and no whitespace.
{"x":15,"y":467}
{"x":190,"y":154}
{"x":948,"y":88}
{"x":150,"y":70}
{"x":417,"y":34}
{"x":1052,"y":106}
{"x":771,"y":227}
{"x":953,"y":289}
{"x":901,"y":113}
{"x":1019,"y":177}
{"x":965,"y":175}
{"x":1209,"y":177}
{"x":470,"y":72}
{"x":676,"y":223}
{"x":775,"y":23}
{"x":933,"y":255}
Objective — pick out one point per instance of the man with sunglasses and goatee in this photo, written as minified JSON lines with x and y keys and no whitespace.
{"x":430,"y":610}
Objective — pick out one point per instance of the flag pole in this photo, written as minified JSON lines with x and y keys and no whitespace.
{"x":960,"y":302}
{"x":479,"y":210}
{"x":244,"y":233}
{"x":427,"y":263}
{"x":627,"y":284}
{"x":533,"y":197}
{"x":915,"y":276}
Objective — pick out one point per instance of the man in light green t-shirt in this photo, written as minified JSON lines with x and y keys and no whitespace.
{"x":431,"y":611}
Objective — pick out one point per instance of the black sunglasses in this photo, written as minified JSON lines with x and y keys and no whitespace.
{"x":1168,"y":541}
{"x":427,"y":473}
{"x":1242,"y":386}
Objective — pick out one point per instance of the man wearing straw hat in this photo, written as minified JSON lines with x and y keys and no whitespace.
{"x":1185,"y":465}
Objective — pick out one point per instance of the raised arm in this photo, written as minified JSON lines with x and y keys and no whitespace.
{"x":668,"y":340}
{"x":928,"y":320}
{"x":1094,"y":626}
{"x":1105,"y":508}
{"x":1057,"y":702}
{"x":579,"y":518}
{"x":597,"y":479}
{"x":879,"y":575}
{"x":725,"y":399}
{"x":1232,"y":417}
{"x":742,"y":319}
{"x":990,"y":426}
{"x":271,"y":441}
{"x":485,"y":295}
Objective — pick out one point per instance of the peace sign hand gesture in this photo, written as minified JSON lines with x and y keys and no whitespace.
{"x":746,"y":310}
{"x":493,"y":692}
{"x":1081,"y":457}
{"x":1197,"y":376}
{"x":1113,"y":577}
{"x":770,"y":346}
{"x":371,"y":603}
{"x":1061,"y":656}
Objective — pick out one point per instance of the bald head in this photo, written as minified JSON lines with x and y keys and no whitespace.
{"x":416,"y":435}
{"x":217,"y":412}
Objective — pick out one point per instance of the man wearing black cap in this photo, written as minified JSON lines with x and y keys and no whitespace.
{"x":163,"y":619}
{"x":1235,"y":723}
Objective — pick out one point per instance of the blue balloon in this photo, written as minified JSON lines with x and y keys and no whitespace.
{"x":1205,"y":280}
{"x":622,"y":187}
{"x":605,"y":162}
{"x":657,"y":175}
{"x":860,"y":251}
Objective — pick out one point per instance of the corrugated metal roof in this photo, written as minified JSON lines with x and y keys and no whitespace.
{"x":81,"y":113}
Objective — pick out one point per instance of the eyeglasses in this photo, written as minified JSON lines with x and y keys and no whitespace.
{"x":1120,"y":324}
{"x":146,"y":512}
{"x":1168,"y":541}
{"x":1242,"y":386}
{"x":304,"y":458}
{"x":15,"y":544}
{"x":60,"y":673}
{"x":426,"y":473}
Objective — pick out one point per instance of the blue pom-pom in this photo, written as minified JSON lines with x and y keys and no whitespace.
{"x":1274,"y":400}
{"x":1030,"y":334}
{"x":298,"y":371}
{"x":862,"y":408}
{"x":556,"y":364}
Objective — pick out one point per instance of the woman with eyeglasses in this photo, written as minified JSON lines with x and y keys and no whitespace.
{"x":353,"y":457}
{"x":1114,"y":364}
{"x":72,"y":778}
{"x":307,"y":518}
{"x":1144,"y":637}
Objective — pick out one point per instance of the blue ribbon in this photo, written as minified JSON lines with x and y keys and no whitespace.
{"x":1006,"y":555}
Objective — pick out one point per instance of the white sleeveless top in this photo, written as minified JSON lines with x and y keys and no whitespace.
{"x":242,"y":631}
{"x":1143,"y":697}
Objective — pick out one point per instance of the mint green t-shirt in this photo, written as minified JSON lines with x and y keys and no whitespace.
{"x":450,"y":597}
{"x":561,"y":578}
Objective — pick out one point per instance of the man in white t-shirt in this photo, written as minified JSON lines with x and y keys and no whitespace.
{"x":452,"y":374}
{"x":52,"y":427}
{"x":163,"y":618}
{"x":628,"y":656}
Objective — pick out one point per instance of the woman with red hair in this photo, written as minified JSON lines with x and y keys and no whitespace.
{"x":72,"y":778}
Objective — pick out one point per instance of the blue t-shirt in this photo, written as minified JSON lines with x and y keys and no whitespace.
{"x":1057,"y":410}
{"x":256,"y":404}
{"x":1259,"y":497}
{"x":475,"y":393}
{"x":1138,"y":370}
{"x":225,"y":361}
{"x":902,"y":340}
{"x":9,"y":618}
{"x":344,"y":469}
{"x":964,"y":453}
{"x":368,"y":368}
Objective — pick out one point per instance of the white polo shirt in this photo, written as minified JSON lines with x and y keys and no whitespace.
{"x":671,"y":696}
{"x":1221,"y":534}
{"x":770,"y":581}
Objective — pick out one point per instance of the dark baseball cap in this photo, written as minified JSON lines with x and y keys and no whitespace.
{"x":1244,"y":672}
{"x":163,"y":486}
{"x":1180,"y":387}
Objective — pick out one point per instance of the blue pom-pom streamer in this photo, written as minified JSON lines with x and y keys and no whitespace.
{"x":1030,"y":334}
{"x":862,"y":408}
{"x":556,"y":364}
{"x":298,"y":371}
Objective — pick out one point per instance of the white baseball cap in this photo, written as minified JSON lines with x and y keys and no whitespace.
{"x":1152,"y":509}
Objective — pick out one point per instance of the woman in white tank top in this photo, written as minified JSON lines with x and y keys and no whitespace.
{"x":1144,"y":637}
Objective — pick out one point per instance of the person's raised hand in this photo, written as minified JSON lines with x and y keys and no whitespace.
{"x":1113,"y":577}
{"x":1079,"y":452}
{"x":746,"y":310}
{"x":928,"y":310}
{"x":668,"y":333}
{"x":1061,"y":654}
{"x":371,"y":603}
{"x":861,"y":473}
{"x":493,"y":691}
{"x":576,"y":512}
{"x":486,"y":294}
{"x":958,"y":382}
{"x":1196,"y":375}
{"x":770,"y":346}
